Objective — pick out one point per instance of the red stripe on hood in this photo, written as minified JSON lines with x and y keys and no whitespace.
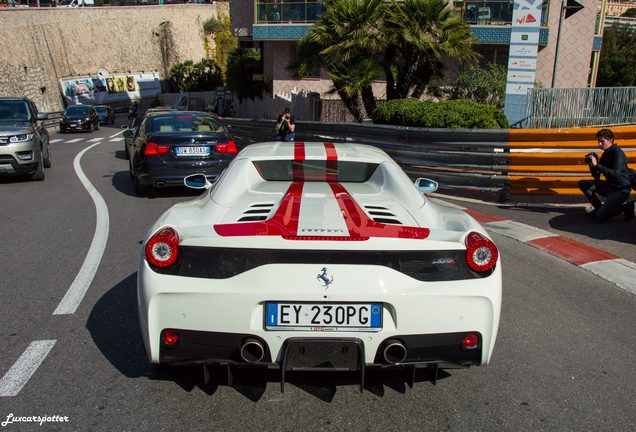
{"x":361,"y":225}
{"x":283,"y":223}
{"x":332,"y":162}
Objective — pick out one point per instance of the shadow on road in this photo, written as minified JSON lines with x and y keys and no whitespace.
{"x":123,"y":182}
{"x":573,"y":220}
{"x":114,"y":326}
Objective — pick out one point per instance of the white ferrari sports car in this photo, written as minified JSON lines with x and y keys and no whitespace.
{"x":317,"y":256}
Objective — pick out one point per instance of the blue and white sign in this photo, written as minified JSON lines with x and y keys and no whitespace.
{"x":522,"y":60}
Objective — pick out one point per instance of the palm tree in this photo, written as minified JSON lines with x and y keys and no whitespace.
{"x":348,"y":42}
{"x":422,"y":33}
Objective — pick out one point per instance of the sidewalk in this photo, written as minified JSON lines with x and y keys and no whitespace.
{"x":560,"y":229}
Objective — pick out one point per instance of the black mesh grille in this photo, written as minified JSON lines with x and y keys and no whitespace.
{"x":223,"y":263}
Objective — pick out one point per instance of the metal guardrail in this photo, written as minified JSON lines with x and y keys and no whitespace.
{"x":506,"y":161}
{"x":54,"y":118}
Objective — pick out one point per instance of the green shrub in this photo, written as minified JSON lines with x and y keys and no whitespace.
{"x":212,"y":25}
{"x":444,"y":114}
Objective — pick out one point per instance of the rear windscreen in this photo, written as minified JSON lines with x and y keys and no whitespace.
{"x":184,"y":123}
{"x":315,"y":170}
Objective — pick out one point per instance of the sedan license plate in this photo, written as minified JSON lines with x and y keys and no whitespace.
{"x":193,"y":151}
{"x":324,"y":316}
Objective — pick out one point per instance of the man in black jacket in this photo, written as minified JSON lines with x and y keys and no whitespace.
{"x":616,"y":186}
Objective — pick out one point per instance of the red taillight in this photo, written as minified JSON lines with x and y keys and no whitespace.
{"x":228,"y":147}
{"x":170,"y":337}
{"x":481,"y":253}
{"x":162,"y":250}
{"x":470,"y":341}
{"x":154,"y":149}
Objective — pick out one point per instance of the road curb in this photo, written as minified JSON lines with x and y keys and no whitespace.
{"x":618,"y":271}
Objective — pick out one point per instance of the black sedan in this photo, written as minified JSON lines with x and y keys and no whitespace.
{"x":79,"y":118}
{"x":105,"y":113}
{"x":168,"y":146}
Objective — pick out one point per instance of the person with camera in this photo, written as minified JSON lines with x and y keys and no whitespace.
{"x":285,"y":126}
{"x":615,"y":188}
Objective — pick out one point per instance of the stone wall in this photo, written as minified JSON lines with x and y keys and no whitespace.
{"x":65,"y":42}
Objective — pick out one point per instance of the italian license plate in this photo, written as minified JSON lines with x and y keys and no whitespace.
{"x":193,"y":151}
{"x":323,"y":316}
{"x":73,"y":125}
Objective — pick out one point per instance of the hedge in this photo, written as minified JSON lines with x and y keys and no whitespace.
{"x":443,"y":114}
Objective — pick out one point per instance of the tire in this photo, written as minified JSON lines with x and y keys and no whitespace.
{"x":47,"y":158}
{"x":130,"y":169}
{"x":38,"y":175}
{"x":141,"y":190}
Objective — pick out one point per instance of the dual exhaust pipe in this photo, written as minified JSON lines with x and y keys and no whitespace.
{"x":253,"y":351}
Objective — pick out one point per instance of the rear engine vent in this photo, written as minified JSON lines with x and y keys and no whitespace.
{"x":382,"y":215}
{"x":256,"y":212}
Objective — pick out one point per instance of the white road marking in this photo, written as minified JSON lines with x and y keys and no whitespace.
{"x":95,"y":139}
{"x":22,"y":370}
{"x":518,"y":231}
{"x":74,"y":140}
{"x":117,"y":139}
{"x":55,"y":140}
{"x":118,"y":133}
{"x":619,"y":271}
{"x":82,"y":281}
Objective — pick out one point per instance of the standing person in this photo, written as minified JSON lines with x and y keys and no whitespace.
{"x":285,"y":126}
{"x":616,"y":186}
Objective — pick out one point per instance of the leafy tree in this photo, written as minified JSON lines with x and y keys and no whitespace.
{"x":617,"y":66}
{"x":422,"y":34}
{"x":202,"y":76}
{"x":347,"y":41}
{"x":241,"y":66}
{"x":486,"y":86}
{"x":630,"y":13}
{"x":406,"y":39}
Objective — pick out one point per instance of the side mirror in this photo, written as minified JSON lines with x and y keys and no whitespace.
{"x":124,"y":127}
{"x":43,"y":116}
{"x":197,"y":181}
{"x":425,"y":185}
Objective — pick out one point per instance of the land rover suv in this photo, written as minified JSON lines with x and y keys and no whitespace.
{"x":24,"y":140}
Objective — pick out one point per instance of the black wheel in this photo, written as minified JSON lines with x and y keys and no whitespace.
{"x":47,"y":158}
{"x":130,"y":168}
{"x":140,"y":189}
{"x":38,"y":175}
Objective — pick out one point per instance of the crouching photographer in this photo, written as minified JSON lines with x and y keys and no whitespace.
{"x":615,"y":188}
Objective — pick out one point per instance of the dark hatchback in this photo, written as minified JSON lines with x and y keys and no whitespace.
{"x":79,"y":118}
{"x":171,"y":145}
{"x":105,"y":113}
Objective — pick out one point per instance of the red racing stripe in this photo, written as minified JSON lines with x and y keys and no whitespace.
{"x":283,"y":223}
{"x":299,"y":151}
{"x":331,"y":166}
{"x":360,"y":225}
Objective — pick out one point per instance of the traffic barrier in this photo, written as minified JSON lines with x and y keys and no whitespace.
{"x":552,"y":161}
{"x":506,"y":161}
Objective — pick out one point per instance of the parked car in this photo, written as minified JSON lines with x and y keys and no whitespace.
{"x":79,"y":118}
{"x":105,"y":113}
{"x":24,"y":140}
{"x":317,"y":256}
{"x":169,"y":145}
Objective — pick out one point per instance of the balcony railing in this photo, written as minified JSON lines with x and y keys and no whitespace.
{"x":497,"y":12}
{"x":491,"y":12}
{"x":270,"y":12}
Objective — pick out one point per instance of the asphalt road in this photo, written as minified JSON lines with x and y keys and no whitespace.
{"x":563,"y":359}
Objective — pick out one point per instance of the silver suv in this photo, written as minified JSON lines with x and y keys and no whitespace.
{"x":24,"y":140}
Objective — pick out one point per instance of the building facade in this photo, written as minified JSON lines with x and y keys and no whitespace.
{"x":276,"y":26}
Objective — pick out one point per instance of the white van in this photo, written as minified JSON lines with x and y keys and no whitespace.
{"x":76,"y":3}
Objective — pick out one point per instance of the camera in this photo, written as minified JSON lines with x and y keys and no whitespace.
{"x":588,"y":157}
